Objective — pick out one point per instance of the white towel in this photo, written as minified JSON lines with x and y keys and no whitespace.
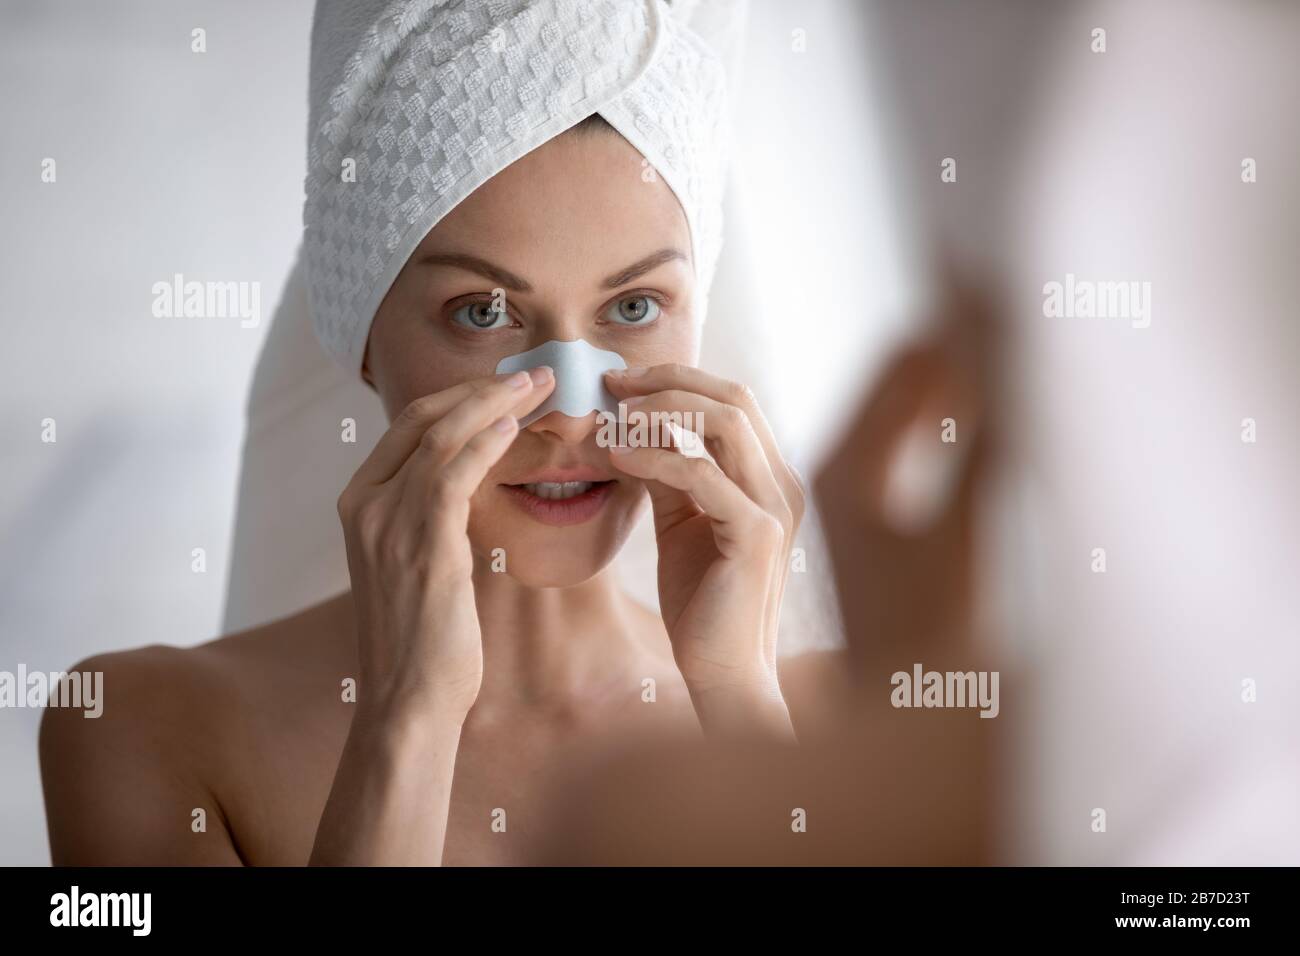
{"x":414,"y":105}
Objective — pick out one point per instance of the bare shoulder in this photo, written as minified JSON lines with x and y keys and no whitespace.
{"x":128,"y":781}
{"x":121,"y":785}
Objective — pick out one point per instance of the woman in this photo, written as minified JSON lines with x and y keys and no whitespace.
{"x":412,"y":720}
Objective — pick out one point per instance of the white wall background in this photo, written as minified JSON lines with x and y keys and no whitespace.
{"x":167,"y":161}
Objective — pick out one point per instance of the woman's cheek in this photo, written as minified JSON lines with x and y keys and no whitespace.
{"x":676,"y":344}
{"x":415,"y":374}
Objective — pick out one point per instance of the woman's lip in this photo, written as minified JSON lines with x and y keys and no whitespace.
{"x":559,"y":475}
{"x":565,"y":511}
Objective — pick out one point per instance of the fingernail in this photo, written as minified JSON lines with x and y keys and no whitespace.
{"x":518,"y":380}
{"x":541,"y":375}
{"x":634,"y":372}
{"x":505,"y":424}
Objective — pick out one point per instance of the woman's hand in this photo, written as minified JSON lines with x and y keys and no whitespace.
{"x":420,"y":653}
{"x":724,"y":533}
{"x":404,"y":517}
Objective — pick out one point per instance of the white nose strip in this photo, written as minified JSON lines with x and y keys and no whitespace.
{"x":579,"y":383}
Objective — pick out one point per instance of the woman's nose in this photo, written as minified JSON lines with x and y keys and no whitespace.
{"x":565,"y":427}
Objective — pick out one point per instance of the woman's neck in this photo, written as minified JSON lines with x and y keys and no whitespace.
{"x":555,"y":649}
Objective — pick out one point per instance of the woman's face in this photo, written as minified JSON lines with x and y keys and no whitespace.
{"x":576,"y":243}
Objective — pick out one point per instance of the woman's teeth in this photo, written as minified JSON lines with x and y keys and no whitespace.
{"x":559,"y":490}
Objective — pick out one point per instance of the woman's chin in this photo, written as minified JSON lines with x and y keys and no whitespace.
{"x":539,"y":554}
{"x":549,"y":568}
{"x":552,"y":560}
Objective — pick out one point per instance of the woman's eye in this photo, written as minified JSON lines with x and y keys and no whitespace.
{"x":481,"y":315}
{"x":634,"y":310}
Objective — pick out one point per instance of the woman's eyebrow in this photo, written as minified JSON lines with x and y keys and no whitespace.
{"x":500,"y":276}
{"x":642,"y":266}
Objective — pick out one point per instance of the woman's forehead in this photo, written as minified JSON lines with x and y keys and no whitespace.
{"x":579,"y":203}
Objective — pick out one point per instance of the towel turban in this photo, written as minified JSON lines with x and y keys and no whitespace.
{"x":414,"y":105}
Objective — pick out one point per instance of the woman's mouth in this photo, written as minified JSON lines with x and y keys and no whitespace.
{"x":559,"y":490}
{"x":561,"y":502}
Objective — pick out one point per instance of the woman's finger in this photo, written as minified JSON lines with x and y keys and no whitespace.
{"x":730,"y":438}
{"x":446,"y":491}
{"x":444,"y":439}
{"x":408,"y":427}
{"x":737,"y":521}
{"x":625,"y":383}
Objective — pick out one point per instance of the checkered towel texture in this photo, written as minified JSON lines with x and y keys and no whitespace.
{"x":428,"y":100}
